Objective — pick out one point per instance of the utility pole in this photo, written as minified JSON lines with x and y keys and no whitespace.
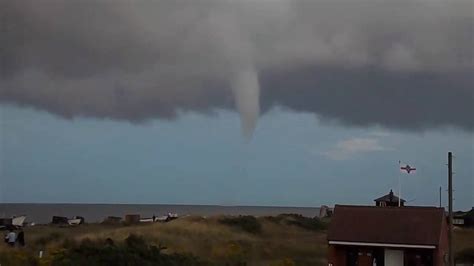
{"x":4,"y":39}
{"x":4,"y":47}
{"x":399,"y":185}
{"x":450,"y":208}
{"x":440,"y":204}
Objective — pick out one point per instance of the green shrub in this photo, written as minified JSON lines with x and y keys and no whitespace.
{"x":313,"y":224}
{"x":52,"y":237}
{"x":134,"y":251}
{"x":17,"y":257}
{"x":465,"y":255}
{"x":246,"y":223}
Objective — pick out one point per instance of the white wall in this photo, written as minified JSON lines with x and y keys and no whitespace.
{"x":393,"y":257}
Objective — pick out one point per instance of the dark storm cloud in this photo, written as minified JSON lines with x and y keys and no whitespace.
{"x":401,"y":64}
{"x":366,"y":96}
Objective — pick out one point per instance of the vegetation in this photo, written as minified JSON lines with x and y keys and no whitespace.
{"x":283,"y":240}
{"x":17,"y":258}
{"x":313,"y":224}
{"x":133,"y":251}
{"x":51,"y":237}
{"x":231,"y":241}
{"x":247,"y":223}
{"x":465,"y":255}
{"x":464,"y":244}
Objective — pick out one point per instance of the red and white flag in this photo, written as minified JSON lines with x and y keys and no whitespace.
{"x":407,"y":169}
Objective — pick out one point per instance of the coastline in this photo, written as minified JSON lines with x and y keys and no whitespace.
{"x":41,"y":213}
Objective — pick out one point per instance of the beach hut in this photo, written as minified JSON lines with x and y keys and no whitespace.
{"x":60,"y":220}
{"x":132,"y":218}
{"x":325,"y":211}
{"x":464,"y":219}
{"x":374,"y":235}
{"x":389,"y":200}
{"x":112,"y":220}
{"x":5,"y":221}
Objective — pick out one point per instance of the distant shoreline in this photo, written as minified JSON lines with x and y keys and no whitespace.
{"x":41,"y":213}
{"x":168,"y":204}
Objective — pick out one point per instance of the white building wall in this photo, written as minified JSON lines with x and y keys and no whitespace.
{"x":393,"y":257}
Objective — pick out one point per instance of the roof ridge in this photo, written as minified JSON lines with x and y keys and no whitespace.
{"x":420,"y":225}
{"x":388,"y":207}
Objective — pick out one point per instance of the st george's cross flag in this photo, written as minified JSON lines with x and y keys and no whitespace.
{"x":407,"y":169}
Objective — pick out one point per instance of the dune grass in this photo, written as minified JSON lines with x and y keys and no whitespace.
{"x":218,"y":240}
{"x":281,"y":240}
{"x":464,"y":243}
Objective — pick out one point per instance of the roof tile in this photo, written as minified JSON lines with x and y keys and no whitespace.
{"x":390,"y":225}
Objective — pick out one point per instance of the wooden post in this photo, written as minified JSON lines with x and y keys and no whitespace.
{"x":399,"y":185}
{"x":450,"y":208}
{"x":440,"y":195}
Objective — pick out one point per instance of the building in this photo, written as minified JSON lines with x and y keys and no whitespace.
{"x":464,"y":219}
{"x":459,"y":218}
{"x":389,"y":200}
{"x":374,"y":235}
{"x":325,"y":211}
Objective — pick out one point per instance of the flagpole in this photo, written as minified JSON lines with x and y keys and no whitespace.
{"x":399,"y":185}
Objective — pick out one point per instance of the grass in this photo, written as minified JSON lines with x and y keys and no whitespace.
{"x":247,"y":223}
{"x":298,"y":220}
{"x":280,"y":240}
{"x":219,"y":240}
{"x":464,"y":244}
{"x":135,"y":250}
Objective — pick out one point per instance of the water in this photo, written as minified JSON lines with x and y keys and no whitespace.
{"x":42,"y":213}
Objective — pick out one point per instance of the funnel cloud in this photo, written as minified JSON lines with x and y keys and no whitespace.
{"x":247,"y":95}
{"x":398,"y":64}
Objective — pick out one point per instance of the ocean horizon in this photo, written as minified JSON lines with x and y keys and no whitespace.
{"x":41,"y":213}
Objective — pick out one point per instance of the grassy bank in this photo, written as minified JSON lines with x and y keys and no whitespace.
{"x":281,"y":240}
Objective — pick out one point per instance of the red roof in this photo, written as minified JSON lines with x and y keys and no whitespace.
{"x":387,"y":225}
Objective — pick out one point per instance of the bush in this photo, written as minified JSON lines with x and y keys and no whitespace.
{"x":17,"y":257}
{"x":134,"y":251}
{"x":231,"y":253}
{"x":465,"y":255}
{"x":246,"y":223}
{"x":313,"y":224}
{"x":52,"y":237}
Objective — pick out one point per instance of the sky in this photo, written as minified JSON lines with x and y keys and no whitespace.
{"x":282,"y":102}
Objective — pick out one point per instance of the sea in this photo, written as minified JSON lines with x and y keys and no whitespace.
{"x":43,"y":213}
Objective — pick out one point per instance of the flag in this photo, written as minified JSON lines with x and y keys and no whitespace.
{"x":407,"y":169}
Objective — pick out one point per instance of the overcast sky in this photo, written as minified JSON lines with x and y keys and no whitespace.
{"x":281,"y":102}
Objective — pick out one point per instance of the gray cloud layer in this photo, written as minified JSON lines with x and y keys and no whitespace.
{"x":400,"y":64}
